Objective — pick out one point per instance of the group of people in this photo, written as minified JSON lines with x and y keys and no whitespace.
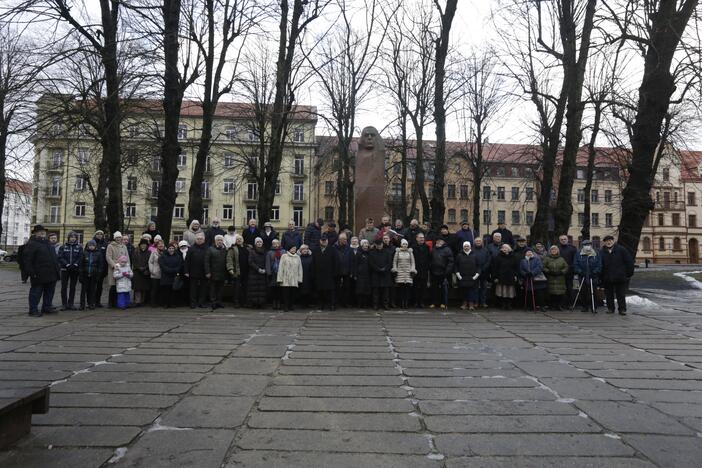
{"x":383,"y":266}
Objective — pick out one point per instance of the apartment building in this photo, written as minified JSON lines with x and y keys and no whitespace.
{"x":16,"y":214}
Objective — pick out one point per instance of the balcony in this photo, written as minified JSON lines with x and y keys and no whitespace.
{"x":251,"y":197}
{"x":670,"y":206}
{"x":55,"y":167}
{"x":53,"y":194}
{"x":297,"y":200}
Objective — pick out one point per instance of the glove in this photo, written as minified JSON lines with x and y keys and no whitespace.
{"x":458,"y":275}
{"x":125,"y":274}
{"x":476,"y":276}
{"x":262,"y":271}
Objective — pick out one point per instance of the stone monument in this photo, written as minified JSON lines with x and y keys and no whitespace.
{"x":369,"y":182}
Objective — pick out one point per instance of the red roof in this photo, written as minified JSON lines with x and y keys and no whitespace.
{"x":18,"y":186}
{"x":691,"y":166}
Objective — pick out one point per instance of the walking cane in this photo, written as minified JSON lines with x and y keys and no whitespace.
{"x":592,"y":297}
{"x":582,"y":280}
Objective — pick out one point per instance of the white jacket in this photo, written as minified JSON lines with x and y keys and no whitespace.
{"x":290,"y":270}
{"x":123,"y":283}
{"x":154,"y":267}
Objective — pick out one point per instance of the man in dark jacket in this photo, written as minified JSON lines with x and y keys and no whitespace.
{"x":520,"y":247}
{"x":251,"y":233}
{"x":267,"y":235}
{"x":494,"y":246}
{"x":325,"y":264}
{"x":588,"y":266}
{"x":195,"y":271}
{"x":448,"y":238}
{"x":617,"y":268}
{"x":507,"y":237}
{"x":441,"y":267}
{"x":69,"y":256}
{"x":412,"y":231}
{"x":483,"y":259}
{"x":422,"y":263}
{"x":216,"y":270}
{"x":313,"y":233}
{"x":466,"y":234}
{"x":212,"y":231}
{"x":41,"y":265}
{"x":291,"y":237}
{"x":101,"y":246}
{"x":332,"y":234}
{"x":91,"y":266}
{"x":568,"y":252}
{"x":343,"y":281}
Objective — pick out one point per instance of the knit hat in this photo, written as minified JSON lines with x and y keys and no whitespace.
{"x":404,"y":243}
{"x":144,"y":242}
{"x":99,"y":231}
{"x":219,"y":237}
{"x":117,"y":235}
{"x":158,"y":238}
{"x":91,"y":242}
{"x":183,"y":243}
{"x":146,"y":237}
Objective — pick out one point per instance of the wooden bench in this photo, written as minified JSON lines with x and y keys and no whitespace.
{"x":16,"y":408}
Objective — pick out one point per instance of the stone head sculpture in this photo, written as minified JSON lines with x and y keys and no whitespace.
{"x":369,"y":138}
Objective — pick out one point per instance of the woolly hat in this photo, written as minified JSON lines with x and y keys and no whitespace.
{"x":117,"y":235}
{"x":183,"y":243}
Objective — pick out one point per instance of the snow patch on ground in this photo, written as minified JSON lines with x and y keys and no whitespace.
{"x":693,"y":282}
{"x":156,"y":426}
{"x":640,"y":301}
{"x":120,"y":452}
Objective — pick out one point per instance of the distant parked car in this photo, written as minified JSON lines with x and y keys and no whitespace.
{"x":3,"y":253}
{"x":10,"y":257}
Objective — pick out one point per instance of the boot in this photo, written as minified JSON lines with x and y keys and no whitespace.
{"x":464,"y":306}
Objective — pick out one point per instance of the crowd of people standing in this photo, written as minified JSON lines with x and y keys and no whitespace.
{"x":383,"y":266}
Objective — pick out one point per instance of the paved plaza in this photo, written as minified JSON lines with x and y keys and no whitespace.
{"x":240,"y":388}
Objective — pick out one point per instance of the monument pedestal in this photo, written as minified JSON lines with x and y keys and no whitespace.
{"x":369,"y":181}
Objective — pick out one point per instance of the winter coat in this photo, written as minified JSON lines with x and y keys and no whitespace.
{"x":189,"y":236}
{"x":555,"y":268}
{"x":216,"y":263}
{"x":155,"y":266}
{"x":368,"y":234}
{"x":568,"y":252}
{"x":142,"y":277}
{"x":69,"y":256}
{"x":290,"y":273}
{"x":210,"y":234}
{"x":233,"y":267}
{"x":465,"y":235}
{"x":345,"y":259}
{"x":507,"y":237}
{"x":381,"y":261}
{"x":91,"y":264}
{"x":529,"y":269}
{"x":256,"y":289}
{"x":505,"y":268}
{"x":493,"y":249}
{"x":268,"y":238}
{"x":229,"y":240}
{"x":467,"y":267}
{"x":411,"y":235}
{"x":450,"y":241}
{"x":422,"y":260}
{"x":243,"y":262}
{"x":123,"y":278}
{"x":312,"y":235}
{"x":195,"y":261}
{"x":441,"y":261}
{"x":519,"y":252}
{"x":332,"y":236}
{"x":272,"y":266}
{"x":403,"y":266}
{"x":587,"y":265}
{"x":170,"y":266}
{"x":362,"y":273}
{"x":101,"y":245}
{"x":307,"y":273}
{"x":250,"y":236}
{"x":40,"y":263}
{"x":153,"y":234}
{"x":483,"y":259}
{"x":617,"y":264}
{"x":326,"y":267}
{"x":290,"y":238}
{"x":114,"y":251}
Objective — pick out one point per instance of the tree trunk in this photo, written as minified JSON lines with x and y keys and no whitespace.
{"x":657,"y":87}
{"x":195,"y":204}
{"x":591,"y":155}
{"x":4,"y":127}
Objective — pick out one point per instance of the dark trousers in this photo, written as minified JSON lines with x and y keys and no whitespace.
{"x":482,"y":291}
{"x":569,"y":288}
{"x":198,"y":291}
{"x":69,"y":279}
{"x":39,"y":291}
{"x":168,"y":297}
{"x":586,"y":294}
{"x":216,"y":288}
{"x":88,"y":286}
{"x":236,"y":285}
{"x":154,"y":291}
{"x":618,"y":290}
{"x":363,"y":300}
{"x":557,"y":300}
{"x":289,"y":294}
{"x":98,"y":288}
{"x":403,"y":294}
{"x":381,"y":297}
{"x":343,"y":290}
{"x":243,"y":284}
{"x":437,"y":289}
{"x":327,"y":298}
{"x":112,"y":297}
{"x":419,"y":290}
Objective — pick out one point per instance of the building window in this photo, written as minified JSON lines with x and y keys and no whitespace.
{"x":677,"y":245}
{"x":464,"y":216}
{"x":298,"y":135}
{"x":252,"y":192}
{"x":182,"y":132}
{"x":329,"y":187}
{"x":130,"y":210}
{"x":178,"y":236}
{"x":451,"y":193}
{"x":180,"y":186}
{"x":396,"y":189}
{"x":595,"y":196}
{"x":666,"y":174}
{"x":179,"y":211}
{"x":487,"y":216}
{"x":596,"y":242}
{"x":275,"y":213}
{"x":515,"y":193}
{"x":230,"y":133}
{"x":298,"y":192}
{"x":205,"y":188}
{"x":182,"y":160}
{"x":82,"y":156}
{"x":396,"y":169}
{"x":250,"y":213}
{"x":500,"y":172}
{"x":228,"y":186}
{"x":581,"y":219}
{"x":299,"y":164}
{"x":56,"y":158}
{"x":155,"y":188}
{"x":691,"y":199}
{"x":646,"y":244}
{"x":595,"y":219}
{"x":277,"y":187}
{"x":79,"y":210}
{"x":131,"y":184}
{"x":206,"y":215}
{"x":529,"y":219}
{"x":464,"y":192}
{"x":608,"y":196}
{"x":501,"y":216}
{"x":529,"y":195}
{"x":328,"y":213}
{"x":676,"y":219}
{"x":661,"y":244}
{"x":661,"y":221}
{"x":80,"y":183}
{"x":208,"y":164}
{"x":297,"y":216}
{"x":515,"y":217}
{"x":581,"y":195}
{"x":228,"y":160}
{"x":56,"y":187}
{"x":451,"y":215}
{"x":514,"y":171}
{"x":608,"y":219}
{"x":692,"y":221}
{"x":156,"y":163}
{"x":153,"y":214}
{"x":227,"y":212}
{"x":54,"y":214}
{"x":252,"y":137}
{"x":500,"y":193}
{"x":486,"y":192}
{"x":580,"y":174}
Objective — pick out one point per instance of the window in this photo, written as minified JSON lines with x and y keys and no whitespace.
{"x":580,"y":174}
{"x":581,"y":195}
{"x":691,"y":220}
{"x":299,"y":164}
{"x":54,"y":215}
{"x":514,"y":171}
{"x":228,"y":160}
{"x":529,"y":193}
{"x":180,"y":186}
{"x":529,"y":219}
{"x":230,"y":132}
{"x":676,"y":219}
{"x":182,"y":160}
{"x":132,"y":157}
{"x":228,"y":186}
{"x":56,"y":158}
{"x":153,"y":213}
{"x":596,"y":242}
{"x":297,"y":216}
{"x":661,"y":243}
{"x":515,"y":193}
{"x":464,"y":216}
{"x":691,"y":199}
{"x":277,"y":187}
{"x":500,"y":193}
{"x":179,"y":211}
{"x":515,"y":217}
{"x":275,"y":213}
{"x":677,"y":245}
{"x":595,"y":196}
{"x":155,"y":188}
{"x":298,"y":135}
{"x":208,"y":164}
{"x":646,"y":244}
{"x":182,"y":132}
{"x":595,"y":219}
{"x":329,"y":187}
{"x":55,"y":186}
{"x":608,"y":196}
{"x":130,"y":210}
{"x":156,"y":163}
{"x":451,"y":215}
{"x":396,"y":190}
{"x":252,"y":192}
{"x":464,"y":192}
{"x":79,"y":210}
{"x":608,"y":220}
{"x":500,"y":216}
{"x":500,"y":172}
{"x":666,"y":174}
{"x":81,"y":183}
{"x":250,"y":213}
{"x":396,"y":169}
{"x":252,"y":137}
{"x":661,"y":221}
{"x":131,"y":184}
{"x":451,"y":192}
{"x":298,"y":192}
{"x":206,"y":215}
{"x":205,"y":188}
{"x":486,"y":192}
{"x":227,"y":211}
{"x":487,"y":215}
{"x":581,"y":219}
{"x":328,"y":213}
{"x":178,"y":236}
{"x":82,"y":156}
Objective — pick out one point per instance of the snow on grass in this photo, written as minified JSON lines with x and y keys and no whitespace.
{"x":640,"y":301}
{"x":686,"y":276}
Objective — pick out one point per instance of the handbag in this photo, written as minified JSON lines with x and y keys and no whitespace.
{"x":178,"y":283}
{"x":540,"y":278}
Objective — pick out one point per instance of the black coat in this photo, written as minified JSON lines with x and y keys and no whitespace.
{"x":467,"y":267}
{"x":91,"y":264}
{"x":268,"y":238}
{"x":441,"y":261}
{"x":381,"y":261}
{"x":195,"y":261}
{"x":507,"y":237}
{"x":250,"y":237}
{"x":210,"y":234}
{"x":505,"y":269}
{"x":312,"y":235}
{"x":256,"y":287}
{"x":243,"y":262}
{"x":362,"y":273}
{"x":568,"y":252}
{"x":326,"y":268}
{"x":216,"y":263}
{"x":289,"y":239}
{"x":40,"y":262}
{"x":307,"y":274}
{"x":345,"y":259}
{"x":411,"y":236}
{"x":332,"y":236}
{"x":617,"y":264}
{"x":422,"y":260}
{"x":141,"y":281}
{"x":170,"y":266}
{"x":101,"y":245}
{"x":483,"y":260}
